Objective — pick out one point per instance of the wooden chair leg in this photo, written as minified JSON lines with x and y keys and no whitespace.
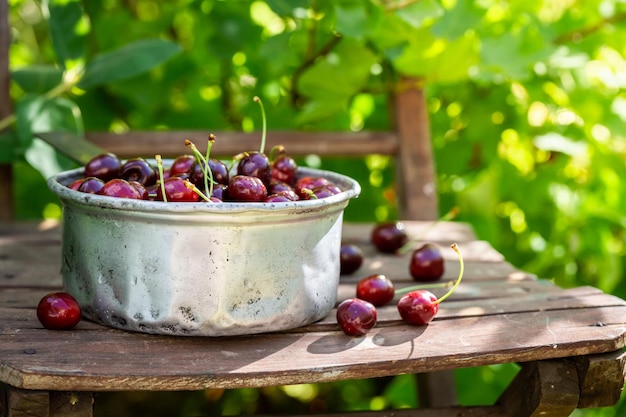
{"x":547,"y":388}
{"x":16,"y":402}
{"x":601,"y":378}
{"x":437,"y":389}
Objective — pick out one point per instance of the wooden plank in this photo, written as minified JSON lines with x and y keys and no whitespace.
{"x":543,"y":388}
{"x":228,"y":144}
{"x":33,"y":358}
{"x":601,"y":379}
{"x":433,"y":231}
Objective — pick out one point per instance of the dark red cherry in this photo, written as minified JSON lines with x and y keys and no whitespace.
{"x":356,"y":317}
{"x":220,"y":191}
{"x":278,"y":186}
{"x":58,"y":311}
{"x":143,"y":191}
{"x":278,"y":198}
{"x":426,"y":263}
{"x":182,"y":165}
{"x":389,"y":237}
{"x":140,"y":170}
{"x":219,"y":170}
{"x":350,"y":258}
{"x":418,"y":307}
{"x":120,"y":188}
{"x":176,"y":190}
{"x":284,"y":169}
{"x":325,"y":191}
{"x":255,"y":164}
{"x":377,"y":289}
{"x":75,"y":185}
{"x":289,"y":195}
{"x":105,"y":166}
{"x":246,"y":188}
{"x":91,"y":185}
{"x":309,"y":183}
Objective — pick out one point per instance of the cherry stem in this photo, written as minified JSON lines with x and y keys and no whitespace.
{"x":208,"y":170}
{"x":458,"y":280}
{"x":160,"y":169}
{"x":278,"y":149}
{"x":446,"y":217}
{"x":263,"y":118}
{"x":204,"y":163}
{"x":405,"y":290}
{"x":196,"y":190}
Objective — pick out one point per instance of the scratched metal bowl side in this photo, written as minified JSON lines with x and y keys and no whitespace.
{"x":202,"y":269}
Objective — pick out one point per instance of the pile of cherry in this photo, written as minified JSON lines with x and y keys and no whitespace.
{"x":256,"y":177}
{"x":416,"y":305}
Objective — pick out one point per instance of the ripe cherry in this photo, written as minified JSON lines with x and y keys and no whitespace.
{"x":58,"y":311}
{"x":419,"y":307}
{"x":377,"y":289}
{"x":389,"y":237}
{"x":350,"y":258}
{"x":176,"y":190}
{"x":255,"y":164}
{"x":246,"y":188}
{"x":140,"y":170}
{"x":426,"y":263}
{"x":356,"y":317}
{"x":120,"y":188}
{"x":219,"y":171}
{"x":284,"y":167}
{"x":91,"y":185}
{"x":182,"y":165}
{"x":105,"y":166}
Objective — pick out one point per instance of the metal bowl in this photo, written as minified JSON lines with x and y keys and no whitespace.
{"x":202,"y":269}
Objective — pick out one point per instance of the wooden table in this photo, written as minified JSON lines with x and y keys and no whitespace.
{"x":568,"y":341}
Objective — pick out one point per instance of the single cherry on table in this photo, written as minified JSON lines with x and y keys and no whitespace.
{"x":356,"y":317}
{"x":58,"y":311}
{"x":426,"y":263}
{"x":389,"y":237}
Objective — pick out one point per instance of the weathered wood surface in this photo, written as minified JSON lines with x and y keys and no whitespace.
{"x":227,"y":144}
{"x":498,"y":315}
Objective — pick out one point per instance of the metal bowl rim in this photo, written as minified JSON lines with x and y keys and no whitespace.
{"x":57,"y":184}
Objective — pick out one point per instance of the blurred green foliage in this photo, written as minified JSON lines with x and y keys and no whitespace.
{"x":527,"y":106}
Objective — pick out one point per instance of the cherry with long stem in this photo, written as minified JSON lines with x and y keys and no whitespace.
{"x":419,"y":307}
{"x":264,"y":121}
{"x":204,"y":162}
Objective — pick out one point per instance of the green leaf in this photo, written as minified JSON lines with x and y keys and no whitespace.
{"x":465,"y":15}
{"x":351,"y":19}
{"x":127,"y":61}
{"x":317,"y":110}
{"x":340,"y":74}
{"x":437,"y":59}
{"x":37,"y":78}
{"x":391,"y":31}
{"x":64,"y":19}
{"x":40,"y":114}
{"x":419,"y":12}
